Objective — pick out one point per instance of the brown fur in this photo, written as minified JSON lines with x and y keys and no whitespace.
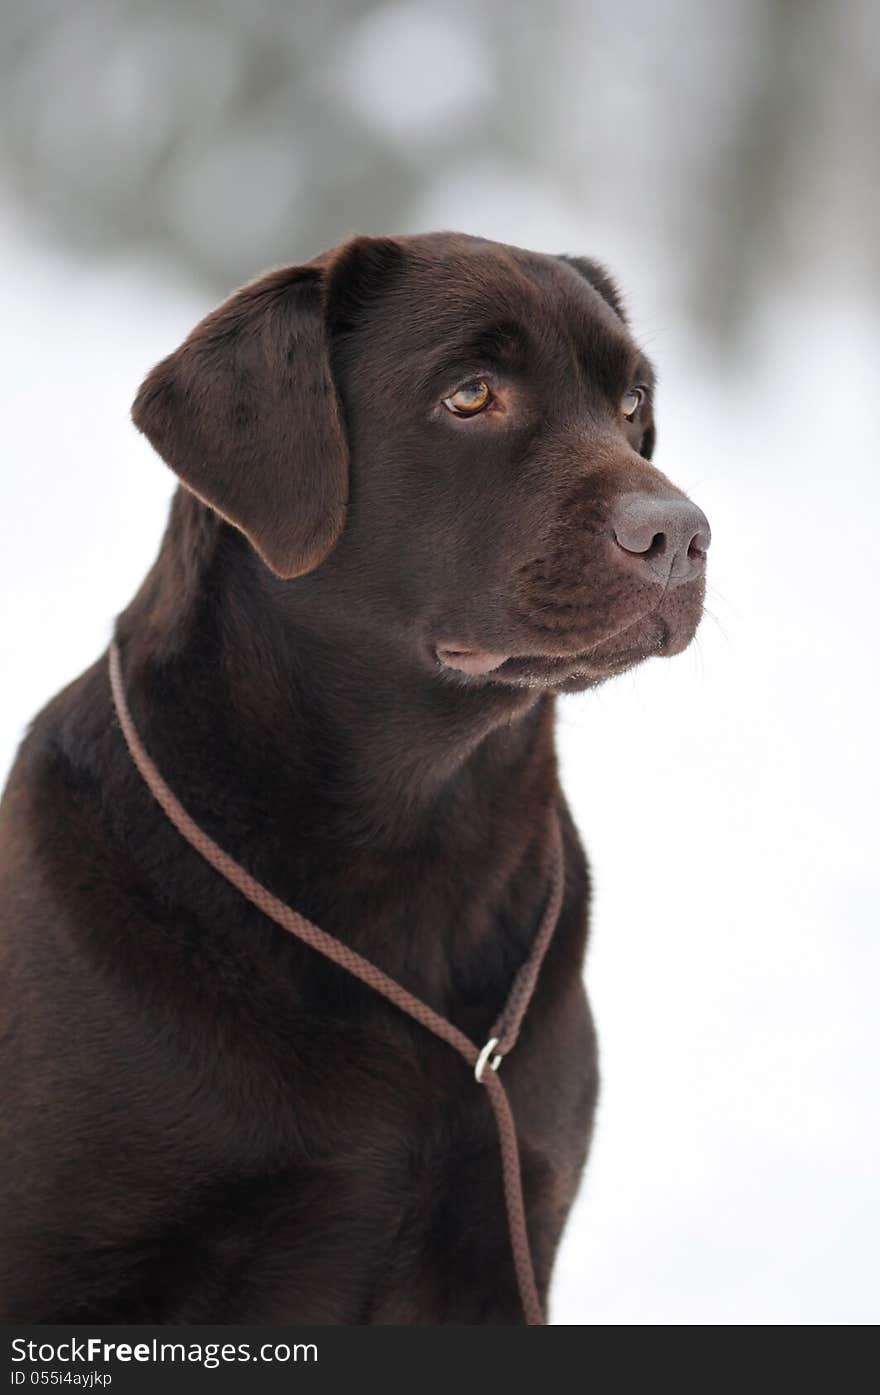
{"x":204,"y":1121}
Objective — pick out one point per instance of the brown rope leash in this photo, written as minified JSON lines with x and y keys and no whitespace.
{"x":503,"y":1034}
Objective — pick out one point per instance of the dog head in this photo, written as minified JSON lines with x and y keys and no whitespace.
{"x":443,"y":446}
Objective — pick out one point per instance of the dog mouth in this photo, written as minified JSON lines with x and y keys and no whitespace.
{"x":651,"y":634}
{"x":598,"y":661}
{"x":577,"y":655}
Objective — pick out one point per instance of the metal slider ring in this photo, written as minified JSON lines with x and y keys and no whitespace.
{"x":483,"y":1059}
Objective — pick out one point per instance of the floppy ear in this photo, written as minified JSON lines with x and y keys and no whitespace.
{"x":600,"y":279}
{"x":246,"y":414}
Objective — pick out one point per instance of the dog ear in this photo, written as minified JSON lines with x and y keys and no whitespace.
{"x":603,"y":282}
{"x":363,"y":270}
{"x":247,"y":415}
{"x":600,"y":279}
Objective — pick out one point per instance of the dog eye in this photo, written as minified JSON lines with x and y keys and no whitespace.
{"x":469,"y":400}
{"x":631,"y":402}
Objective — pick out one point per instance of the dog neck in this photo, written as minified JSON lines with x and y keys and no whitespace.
{"x":236,"y":688}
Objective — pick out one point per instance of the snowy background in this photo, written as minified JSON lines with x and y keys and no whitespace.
{"x":720,"y":160}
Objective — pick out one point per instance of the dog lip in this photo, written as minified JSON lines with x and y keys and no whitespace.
{"x":469,"y":660}
{"x":483,"y":661}
{"x":555,"y":660}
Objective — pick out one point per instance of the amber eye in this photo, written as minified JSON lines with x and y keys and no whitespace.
{"x":470,"y":399}
{"x":631,"y":402}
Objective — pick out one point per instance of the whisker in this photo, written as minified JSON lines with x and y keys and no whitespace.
{"x":710,"y":615}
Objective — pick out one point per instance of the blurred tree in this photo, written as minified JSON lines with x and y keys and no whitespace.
{"x":732,"y":143}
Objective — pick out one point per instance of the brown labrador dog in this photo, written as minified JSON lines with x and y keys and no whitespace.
{"x":417,"y":504}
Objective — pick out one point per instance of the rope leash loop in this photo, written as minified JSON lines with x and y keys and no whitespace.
{"x":503,"y":1034}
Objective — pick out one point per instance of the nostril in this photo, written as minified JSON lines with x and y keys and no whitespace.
{"x":699,"y":545}
{"x":657,"y":546}
{"x":640,"y":541}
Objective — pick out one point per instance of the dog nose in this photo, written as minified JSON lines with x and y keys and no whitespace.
{"x":666,"y":539}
